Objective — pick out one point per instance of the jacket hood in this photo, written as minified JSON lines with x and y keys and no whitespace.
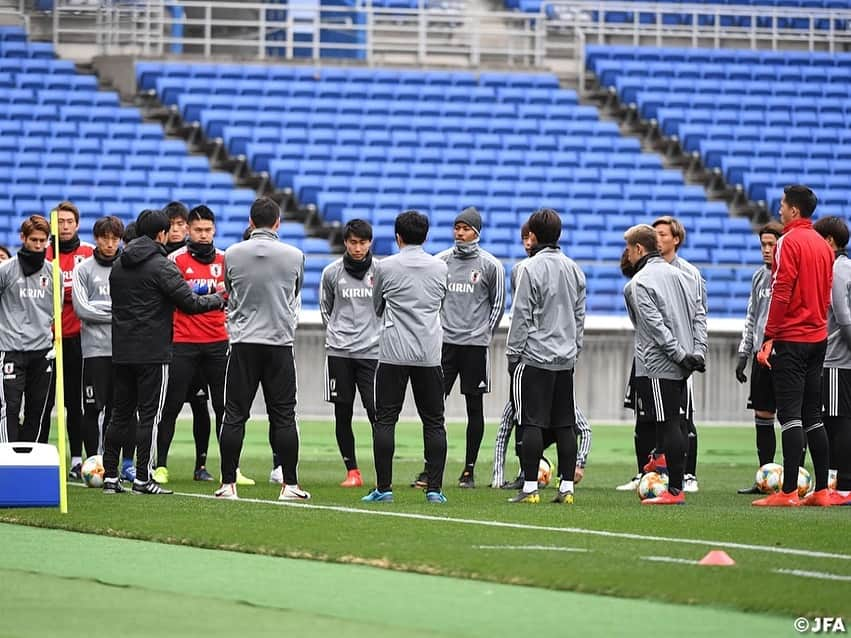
{"x":139,"y":251}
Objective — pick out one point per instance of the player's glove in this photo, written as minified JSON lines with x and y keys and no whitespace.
{"x":512,"y":365}
{"x":693,"y":363}
{"x":201,"y":289}
{"x":764,"y":353}
{"x":741,"y":377}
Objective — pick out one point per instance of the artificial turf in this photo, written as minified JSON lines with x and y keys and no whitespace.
{"x":621,"y":540}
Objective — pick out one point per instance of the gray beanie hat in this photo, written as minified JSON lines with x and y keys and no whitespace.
{"x":471,"y":217}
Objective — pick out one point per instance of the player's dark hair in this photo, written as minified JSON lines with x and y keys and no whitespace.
{"x":201,"y":212}
{"x":5,"y":251}
{"x":109,"y":225}
{"x":129,"y":233}
{"x":642,"y":235}
{"x":265,"y":213}
{"x":546,"y":224}
{"x":802,"y":198}
{"x":833,"y":227}
{"x":151,"y":223}
{"x":71,"y":208}
{"x":34,"y":223}
{"x":175,"y":210}
{"x":359,"y":228}
{"x":412,"y":227}
{"x":524,"y":230}
{"x":627,"y":267}
{"x":246,"y":234}
{"x":772,"y":228}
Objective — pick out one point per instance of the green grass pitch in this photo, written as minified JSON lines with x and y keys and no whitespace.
{"x":789,"y":563}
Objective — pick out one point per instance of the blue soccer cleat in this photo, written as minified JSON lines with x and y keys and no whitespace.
{"x":376,"y":496}
{"x":435,"y":497}
{"x":128,"y":470}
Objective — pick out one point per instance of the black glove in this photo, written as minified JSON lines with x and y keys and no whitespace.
{"x":741,"y":377}
{"x":693,"y":363}
{"x":512,"y":365}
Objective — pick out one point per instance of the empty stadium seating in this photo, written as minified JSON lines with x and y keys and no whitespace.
{"x":765,"y":118}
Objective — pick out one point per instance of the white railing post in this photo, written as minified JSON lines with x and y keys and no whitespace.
{"x":370,"y":52}
{"x":208,"y":29}
{"x":289,"y":52}
{"x":421,"y":33}
{"x":261,"y":33}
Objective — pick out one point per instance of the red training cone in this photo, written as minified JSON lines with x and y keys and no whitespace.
{"x":717,"y":557}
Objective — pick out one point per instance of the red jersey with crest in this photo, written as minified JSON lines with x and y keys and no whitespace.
{"x":208,"y":327}
{"x":67,"y":262}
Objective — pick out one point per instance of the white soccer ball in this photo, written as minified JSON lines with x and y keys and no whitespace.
{"x":769,"y":478}
{"x":92,"y":471}
{"x":545,"y":473}
{"x":651,"y":485}
{"x":805,"y":482}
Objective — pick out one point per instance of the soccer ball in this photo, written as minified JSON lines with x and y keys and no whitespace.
{"x":652,"y":484}
{"x":805,"y":482}
{"x":831,"y":480}
{"x":92,"y":471}
{"x":769,"y":478}
{"x":545,"y":473}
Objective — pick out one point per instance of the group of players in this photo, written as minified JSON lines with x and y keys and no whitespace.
{"x":171,"y":319}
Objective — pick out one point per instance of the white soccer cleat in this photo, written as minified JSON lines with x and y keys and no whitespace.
{"x":631,"y":485}
{"x":226,"y":491}
{"x":690,"y":483}
{"x":277,"y":476}
{"x":293,"y":493}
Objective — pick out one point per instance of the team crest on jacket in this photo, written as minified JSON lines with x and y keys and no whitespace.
{"x":215,"y":270}
{"x":475,"y":276}
{"x":43,"y":281}
{"x":78,"y":259}
{"x":370,"y":280}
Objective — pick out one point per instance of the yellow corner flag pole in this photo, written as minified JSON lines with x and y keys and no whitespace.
{"x":58,"y":293}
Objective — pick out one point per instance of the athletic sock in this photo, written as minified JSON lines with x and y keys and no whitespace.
{"x":200,"y":430}
{"x":530,"y":486}
{"x":76,"y":460}
{"x":819,"y":450}
{"x":533,"y":447}
{"x":792,"y":439}
{"x":565,"y":486}
{"x":766,"y":440}
{"x":475,"y":427}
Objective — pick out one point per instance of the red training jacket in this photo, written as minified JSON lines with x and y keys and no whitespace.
{"x":67,"y":262}
{"x":802,"y":279}
{"x":208,"y":327}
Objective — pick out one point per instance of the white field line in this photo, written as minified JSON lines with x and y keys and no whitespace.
{"x":670,"y":559}
{"x":789,"y":551}
{"x":541,"y":548}
{"x":806,"y":574}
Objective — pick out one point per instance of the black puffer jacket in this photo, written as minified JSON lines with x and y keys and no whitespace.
{"x":145,"y":288}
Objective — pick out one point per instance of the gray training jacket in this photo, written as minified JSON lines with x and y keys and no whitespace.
{"x":669,"y":319}
{"x":26,"y":308}
{"x":839,"y":314}
{"x":757,"y":315}
{"x":475,"y":296}
{"x":347,"y":311}
{"x":263,"y":279}
{"x":409,"y":290}
{"x":548,"y":312}
{"x":690,"y":269}
{"x":93,"y":305}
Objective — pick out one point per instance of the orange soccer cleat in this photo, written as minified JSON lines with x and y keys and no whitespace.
{"x":779,"y":499}
{"x":656,"y":464}
{"x":353,"y":479}
{"x":666,"y":498}
{"x":820,"y":498}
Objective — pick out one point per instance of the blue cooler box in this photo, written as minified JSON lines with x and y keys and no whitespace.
{"x":29,"y":475}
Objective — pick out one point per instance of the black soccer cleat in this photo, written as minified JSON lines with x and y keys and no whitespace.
{"x":201,"y":474}
{"x":753,"y":489}
{"x":113,"y":486}
{"x":421,"y":481}
{"x":76,"y":472}
{"x":516,"y":484}
{"x":466,"y":479}
{"x":151,"y":487}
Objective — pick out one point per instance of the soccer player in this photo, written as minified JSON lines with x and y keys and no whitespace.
{"x":761,"y":398}
{"x":795,"y":343}
{"x":544,"y":340}
{"x":671,"y":236}
{"x":200,"y":345}
{"x":26,"y":336}
{"x":474,"y":304}
{"x":408,"y":292}
{"x":93,"y":305}
{"x":508,"y":420}
{"x":351,"y":338}
{"x":145,"y":288}
{"x":263,"y":277}
{"x":667,"y":311}
{"x":71,"y":252}
{"x":836,"y":378}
